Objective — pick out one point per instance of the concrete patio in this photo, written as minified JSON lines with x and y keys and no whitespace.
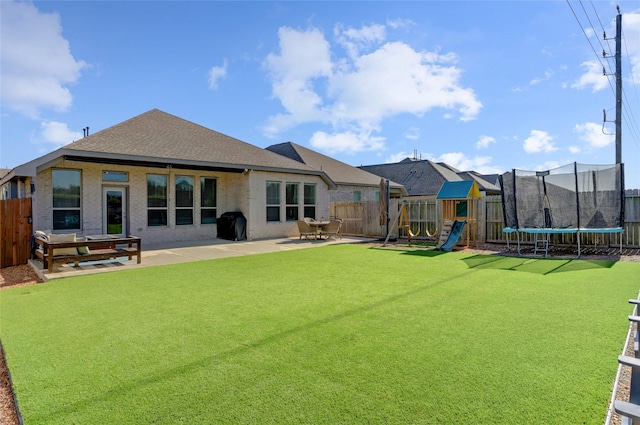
{"x":183,"y":252}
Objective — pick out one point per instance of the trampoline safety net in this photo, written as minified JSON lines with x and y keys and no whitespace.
{"x":576,"y":196}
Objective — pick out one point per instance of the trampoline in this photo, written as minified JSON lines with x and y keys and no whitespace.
{"x":574,"y":199}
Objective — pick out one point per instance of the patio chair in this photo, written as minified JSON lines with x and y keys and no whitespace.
{"x":305,"y":230}
{"x":332,"y":230}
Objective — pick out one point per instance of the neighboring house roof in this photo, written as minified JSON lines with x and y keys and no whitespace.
{"x":339,"y":172}
{"x":483,"y":183}
{"x":156,"y":138}
{"x":491,"y":178}
{"x":420,"y":178}
{"x":466,"y":189}
{"x":424,"y":177}
{"x":4,"y":172}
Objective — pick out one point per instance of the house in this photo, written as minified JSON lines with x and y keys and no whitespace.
{"x":353,"y":184}
{"x":4,"y":190}
{"x":424,"y":178}
{"x":164,"y":179}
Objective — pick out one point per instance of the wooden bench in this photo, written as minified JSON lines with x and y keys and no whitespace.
{"x":47,"y":249}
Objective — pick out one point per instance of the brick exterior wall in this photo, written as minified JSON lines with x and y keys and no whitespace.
{"x":244,"y":192}
{"x":345,"y":193}
{"x":258,"y":197}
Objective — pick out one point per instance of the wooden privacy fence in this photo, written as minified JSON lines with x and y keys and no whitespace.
{"x":362,"y":218}
{"x":630,"y":236}
{"x":15,"y":231}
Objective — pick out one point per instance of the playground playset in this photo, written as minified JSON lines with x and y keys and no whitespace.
{"x":459,"y":206}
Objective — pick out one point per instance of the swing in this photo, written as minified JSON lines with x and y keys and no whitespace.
{"x":403,"y":223}
{"x":426,"y":231}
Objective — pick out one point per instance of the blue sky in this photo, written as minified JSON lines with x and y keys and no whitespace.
{"x":481,"y":85}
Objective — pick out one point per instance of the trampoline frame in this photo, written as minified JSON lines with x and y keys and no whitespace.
{"x":550,"y":231}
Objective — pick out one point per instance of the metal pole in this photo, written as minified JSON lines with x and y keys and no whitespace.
{"x":388,"y":195}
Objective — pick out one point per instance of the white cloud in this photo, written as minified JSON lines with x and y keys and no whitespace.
{"x":592,"y":134}
{"x":548,"y":53}
{"x":400,"y":23}
{"x":355,"y":93}
{"x":549,"y":165}
{"x":575,"y":149}
{"x":402,"y":155}
{"x":547,"y":76}
{"x":303,"y":57}
{"x":412,"y":133}
{"x":460,"y":161}
{"x":539,"y":141}
{"x":216,"y":73}
{"x":58,"y":133}
{"x":36,"y":62}
{"x":397,"y":157}
{"x":589,"y":32}
{"x":593,"y":77}
{"x":396,"y":79}
{"x":631,"y":34}
{"x":347,"y":141}
{"x":484,"y":142}
{"x":353,"y":40}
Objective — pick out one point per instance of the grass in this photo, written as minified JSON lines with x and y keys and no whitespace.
{"x":338,"y":334}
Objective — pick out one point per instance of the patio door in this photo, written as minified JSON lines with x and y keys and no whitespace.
{"x":114,"y":211}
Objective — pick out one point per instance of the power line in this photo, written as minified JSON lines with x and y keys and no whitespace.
{"x":592,"y":27}
{"x":597,"y":16}
{"x":585,"y":33}
{"x":604,"y":33}
{"x":630,"y":121}
{"x":597,"y":55}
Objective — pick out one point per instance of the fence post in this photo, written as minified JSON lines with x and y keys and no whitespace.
{"x":15,"y":232}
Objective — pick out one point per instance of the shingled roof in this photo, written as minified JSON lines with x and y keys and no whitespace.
{"x":156,"y":138}
{"x":485,"y":182}
{"x":339,"y":172}
{"x":424,"y":177}
{"x":420,"y":178}
{"x":157,"y":135}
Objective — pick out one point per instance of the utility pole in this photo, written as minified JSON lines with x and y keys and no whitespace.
{"x":618,"y":74}
{"x":619,"y":87}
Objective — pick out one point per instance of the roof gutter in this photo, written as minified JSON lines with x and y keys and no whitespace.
{"x":33,"y":167}
{"x":137,"y":161}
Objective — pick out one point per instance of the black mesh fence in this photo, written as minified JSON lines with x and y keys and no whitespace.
{"x":572,"y":196}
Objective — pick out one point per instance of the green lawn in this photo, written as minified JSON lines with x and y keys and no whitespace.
{"x":340,"y":334}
